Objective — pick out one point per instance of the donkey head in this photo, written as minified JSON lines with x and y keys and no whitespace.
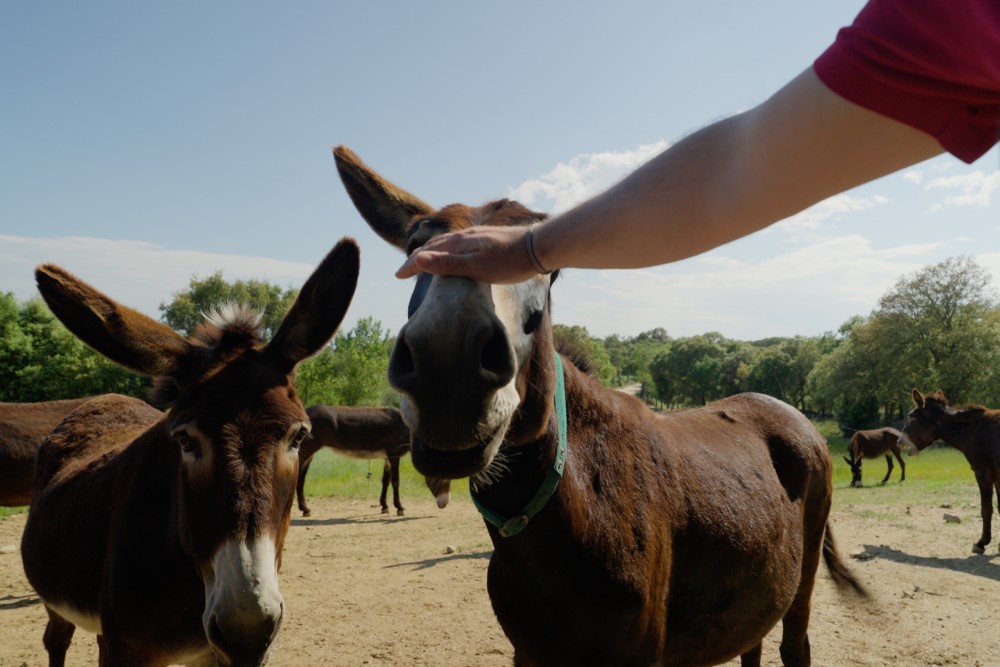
{"x":471,"y":361}
{"x":855,"y":470}
{"x":234,"y":427}
{"x":923,"y":425}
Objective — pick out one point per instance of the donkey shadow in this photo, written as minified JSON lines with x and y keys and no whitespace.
{"x":431,"y":562}
{"x":354,"y":520}
{"x":987,"y":566}
{"x":8,"y":602}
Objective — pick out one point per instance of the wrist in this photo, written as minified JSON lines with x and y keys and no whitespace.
{"x":535,"y":257}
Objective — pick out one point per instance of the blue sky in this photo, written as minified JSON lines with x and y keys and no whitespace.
{"x":143,"y":143}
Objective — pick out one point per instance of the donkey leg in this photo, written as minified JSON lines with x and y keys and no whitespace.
{"x":794,"y":648}
{"x":386,"y":475}
{"x":902,"y":465}
{"x":395,"y":485}
{"x":986,"y":509}
{"x":301,"y":484}
{"x":752,"y":657}
{"x":888,"y":460}
{"x":57,"y":637}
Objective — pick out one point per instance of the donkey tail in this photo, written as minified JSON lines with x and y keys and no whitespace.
{"x":841,"y":574}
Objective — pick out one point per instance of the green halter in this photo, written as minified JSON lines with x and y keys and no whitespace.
{"x":513,"y":526}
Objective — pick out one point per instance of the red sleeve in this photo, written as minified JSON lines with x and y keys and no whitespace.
{"x":932,"y":64}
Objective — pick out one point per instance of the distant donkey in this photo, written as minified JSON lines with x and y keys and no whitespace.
{"x":973,"y":430}
{"x":363,"y":433}
{"x":871,"y":444}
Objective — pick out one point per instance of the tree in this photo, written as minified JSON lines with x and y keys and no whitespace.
{"x":189,"y":307}
{"x":942,"y":312}
{"x":41,"y":360}
{"x":691,"y":371}
{"x":352,"y":370}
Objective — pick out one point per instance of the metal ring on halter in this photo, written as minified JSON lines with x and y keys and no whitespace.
{"x":529,"y":246}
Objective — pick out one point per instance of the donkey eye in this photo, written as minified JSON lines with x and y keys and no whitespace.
{"x":533,"y":322}
{"x":187,"y":444}
{"x":299,"y":436}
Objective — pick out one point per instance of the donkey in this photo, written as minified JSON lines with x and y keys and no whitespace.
{"x":871,"y":444}
{"x":363,"y":433}
{"x":163,"y":533}
{"x":23,"y":426}
{"x":973,"y":430}
{"x":673,"y":540}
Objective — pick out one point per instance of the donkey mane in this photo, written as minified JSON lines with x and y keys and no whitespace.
{"x":968,"y":411}
{"x":226,"y":332}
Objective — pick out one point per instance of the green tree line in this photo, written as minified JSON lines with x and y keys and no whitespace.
{"x":936,"y":329}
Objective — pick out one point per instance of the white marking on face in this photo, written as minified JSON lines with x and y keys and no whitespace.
{"x":244,"y":588}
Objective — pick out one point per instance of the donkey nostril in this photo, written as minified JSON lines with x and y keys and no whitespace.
{"x":496,"y":357}
{"x":402,"y":369}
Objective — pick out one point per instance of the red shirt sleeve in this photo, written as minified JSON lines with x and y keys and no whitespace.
{"x":931,"y":64}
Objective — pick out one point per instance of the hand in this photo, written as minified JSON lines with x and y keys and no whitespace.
{"x":487,"y":253}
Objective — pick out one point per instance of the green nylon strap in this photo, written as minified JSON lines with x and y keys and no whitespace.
{"x":513,"y":526}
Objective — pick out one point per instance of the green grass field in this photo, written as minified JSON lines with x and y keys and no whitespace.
{"x":939,"y":475}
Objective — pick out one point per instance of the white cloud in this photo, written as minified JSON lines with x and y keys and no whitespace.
{"x":582,"y":177}
{"x":807,"y":291}
{"x":813,"y":218}
{"x":914,"y":176}
{"x":976,"y":189}
{"x":138,"y":274}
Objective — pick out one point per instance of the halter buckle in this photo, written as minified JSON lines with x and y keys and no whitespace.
{"x":514,"y":525}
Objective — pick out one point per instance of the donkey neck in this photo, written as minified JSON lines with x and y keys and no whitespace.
{"x":958,"y":430}
{"x":523,"y":466}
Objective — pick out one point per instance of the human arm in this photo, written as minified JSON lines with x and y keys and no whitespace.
{"x":723,"y":182}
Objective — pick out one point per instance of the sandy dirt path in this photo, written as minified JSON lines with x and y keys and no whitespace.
{"x":362,"y":588}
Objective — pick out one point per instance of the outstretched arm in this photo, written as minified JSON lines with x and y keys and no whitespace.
{"x":729,"y":179}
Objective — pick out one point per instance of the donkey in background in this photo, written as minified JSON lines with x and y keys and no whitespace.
{"x":871,"y":444}
{"x":620,"y":537}
{"x":973,"y":430}
{"x":23,"y":426}
{"x":163,"y":533}
{"x":363,"y":433}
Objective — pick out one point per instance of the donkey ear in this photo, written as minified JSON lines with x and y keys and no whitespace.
{"x":122,"y":334}
{"x":320,"y":308}
{"x":918,"y":398}
{"x":849,"y":461}
{"x":387,"y":209}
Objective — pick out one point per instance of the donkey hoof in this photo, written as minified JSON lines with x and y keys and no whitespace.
{"x":399,"y":512}
{"x":978,"y":549}
{"x":385,"y":510}
{"x":306,"y":513}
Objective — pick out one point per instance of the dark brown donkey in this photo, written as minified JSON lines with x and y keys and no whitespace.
{"x":971,"y":429}
{"x":673,"y":540}
{"x":163,"y":533}
{"x":23,"y":426}
{"x":363,"y":433}
{"x":871,"y":444}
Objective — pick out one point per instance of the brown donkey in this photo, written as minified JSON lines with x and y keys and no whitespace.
{"x":973,"y":430}
{"x":872,"y":444}
{"x":673,"y":540}
{"x":163,"y":533}
{"x":363,"y":433}
{"x":23,"y":426}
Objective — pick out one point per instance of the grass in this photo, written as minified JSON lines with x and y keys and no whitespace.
{"x":333,"y":475}
{"x":940,"y":475}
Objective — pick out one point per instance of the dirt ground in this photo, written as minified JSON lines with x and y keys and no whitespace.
{"x":362,"y":588}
